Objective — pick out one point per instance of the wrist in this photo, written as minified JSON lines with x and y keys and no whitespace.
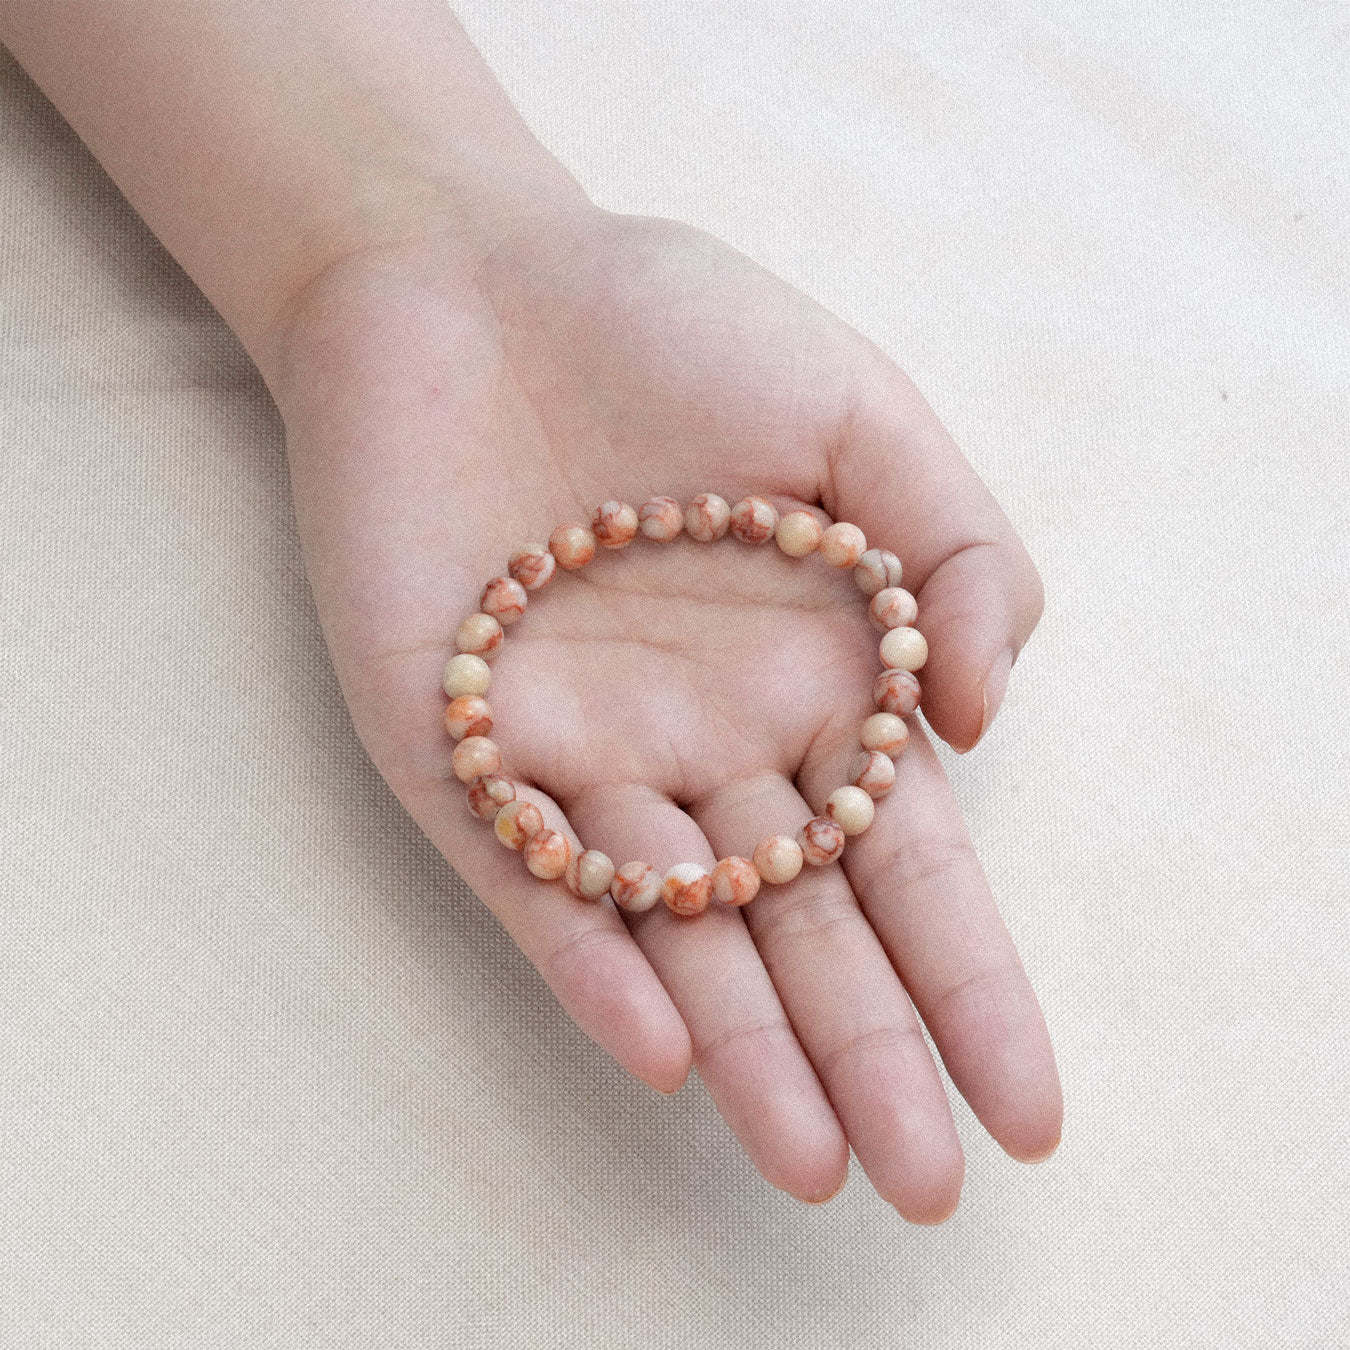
{"x":428,"y":249}
{"x":279,"y":137}
{"x":461,"y":208}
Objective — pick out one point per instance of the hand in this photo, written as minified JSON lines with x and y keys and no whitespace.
{"x":676,"y":702}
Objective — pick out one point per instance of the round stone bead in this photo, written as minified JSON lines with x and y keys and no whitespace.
{"x":885,"y":732}
{"x":518,"y":822}
{"x":687,"y":888}
{"x":505,"y":599}
{"x":896,"y":691}
{"x":661,"y":519}
{"x":754,"y":520}
{"x":478,"y":634}
{"x":547,"y":853}
{"x":589,"y":874}
{"x":798,"y":533}
{"x":636,"y":887}
{"x":873,"y":772}
{"x":735,"y":881}
{"x":614,"y":524}
{"x":473,"y":757}
{"x":877,"y":569}
{"x":851,"y":809}
{"x":466,"y":674}
{"x":904,"y":649}
{"x":778,"y":859}
{"x":532,"y":566}
{"x":572,"y":545}
{"x":488,"y":794}
{"x":706,"y":518}
{"x":842,"y":544}
{"x":468,"y":715}
{"x":821,"y":841}
{"x":892,"y":608}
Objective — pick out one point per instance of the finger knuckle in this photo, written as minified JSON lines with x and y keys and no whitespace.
{"x":578,"y":950}
{"x":807,"y":918}
{"x":925,"y":860}
{"x":859,"y":1047}
{"x":978,"y":993}
{"x":758,"y":1037}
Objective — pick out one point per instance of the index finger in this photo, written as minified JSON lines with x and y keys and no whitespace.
{"x":922,"y":888}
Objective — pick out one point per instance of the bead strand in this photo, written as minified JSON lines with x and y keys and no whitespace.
{"x":687,"y":888}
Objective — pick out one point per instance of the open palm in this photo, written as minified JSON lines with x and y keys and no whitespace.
{"x":676,"y":702}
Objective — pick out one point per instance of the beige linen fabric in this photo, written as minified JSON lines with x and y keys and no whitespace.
{"x":269,"y":1073}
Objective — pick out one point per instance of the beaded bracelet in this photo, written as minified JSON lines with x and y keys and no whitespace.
{"x":686,"y":888}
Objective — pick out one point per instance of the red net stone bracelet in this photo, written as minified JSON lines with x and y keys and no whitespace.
{"x":687,"y":888}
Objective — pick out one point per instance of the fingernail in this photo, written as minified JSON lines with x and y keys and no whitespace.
{"x":1038,"y":1157}
{"x":825,"y":1199}
{"x":995,"y":686}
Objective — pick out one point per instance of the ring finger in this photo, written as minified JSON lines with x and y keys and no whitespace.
{"x":744,"y":1046}
{"x":847,"y":1006}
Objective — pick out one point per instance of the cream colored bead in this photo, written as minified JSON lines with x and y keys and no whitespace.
{"x":466,"y":674}
{"x":636,"y":887}
{"x":851,"y":809}
{"x":873,"y":772}
{"x":661,"y":519}
{"x":798,"y":533}
{"x":517,"y":822}
{"x":475,"y":756}
{"x":893,"y":608}
{"x":478,"y":634}
{"x":468,"y":715}
{"x":589,"y":874}
{"x":877,"y":569}
{"x":904,"y":649}
{"x":532,"y":566}
{"x":547,"y":853}
{"x":843,"y":544}
{"x":686,"y":889}
{"x":754,"y":520}
{"x":821,"y":841}
{"x":896,"y":691}
{"x":735,"y":881}
{"x":885,"y":732}
{"x":778,"y":859}
{"x":504,"y":598}
{"x":614,"y":524}
{"x":488,"y":794}
{"x":572,"y":545}
{"x":707,"y":517}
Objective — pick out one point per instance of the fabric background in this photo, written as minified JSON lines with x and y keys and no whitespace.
{"x":271,"y":1076}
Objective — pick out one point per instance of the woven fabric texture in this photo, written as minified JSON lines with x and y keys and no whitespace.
{"x":270,"y":1075}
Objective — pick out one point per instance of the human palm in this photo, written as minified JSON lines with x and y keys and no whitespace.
{"x":675,"y":702}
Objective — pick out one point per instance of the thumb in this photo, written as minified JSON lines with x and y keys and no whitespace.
{"x":897,"y":474}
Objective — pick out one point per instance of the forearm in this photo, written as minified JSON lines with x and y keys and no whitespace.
{"x":262,"y":140}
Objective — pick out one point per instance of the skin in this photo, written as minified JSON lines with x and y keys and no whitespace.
{"x":466,"y":352}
